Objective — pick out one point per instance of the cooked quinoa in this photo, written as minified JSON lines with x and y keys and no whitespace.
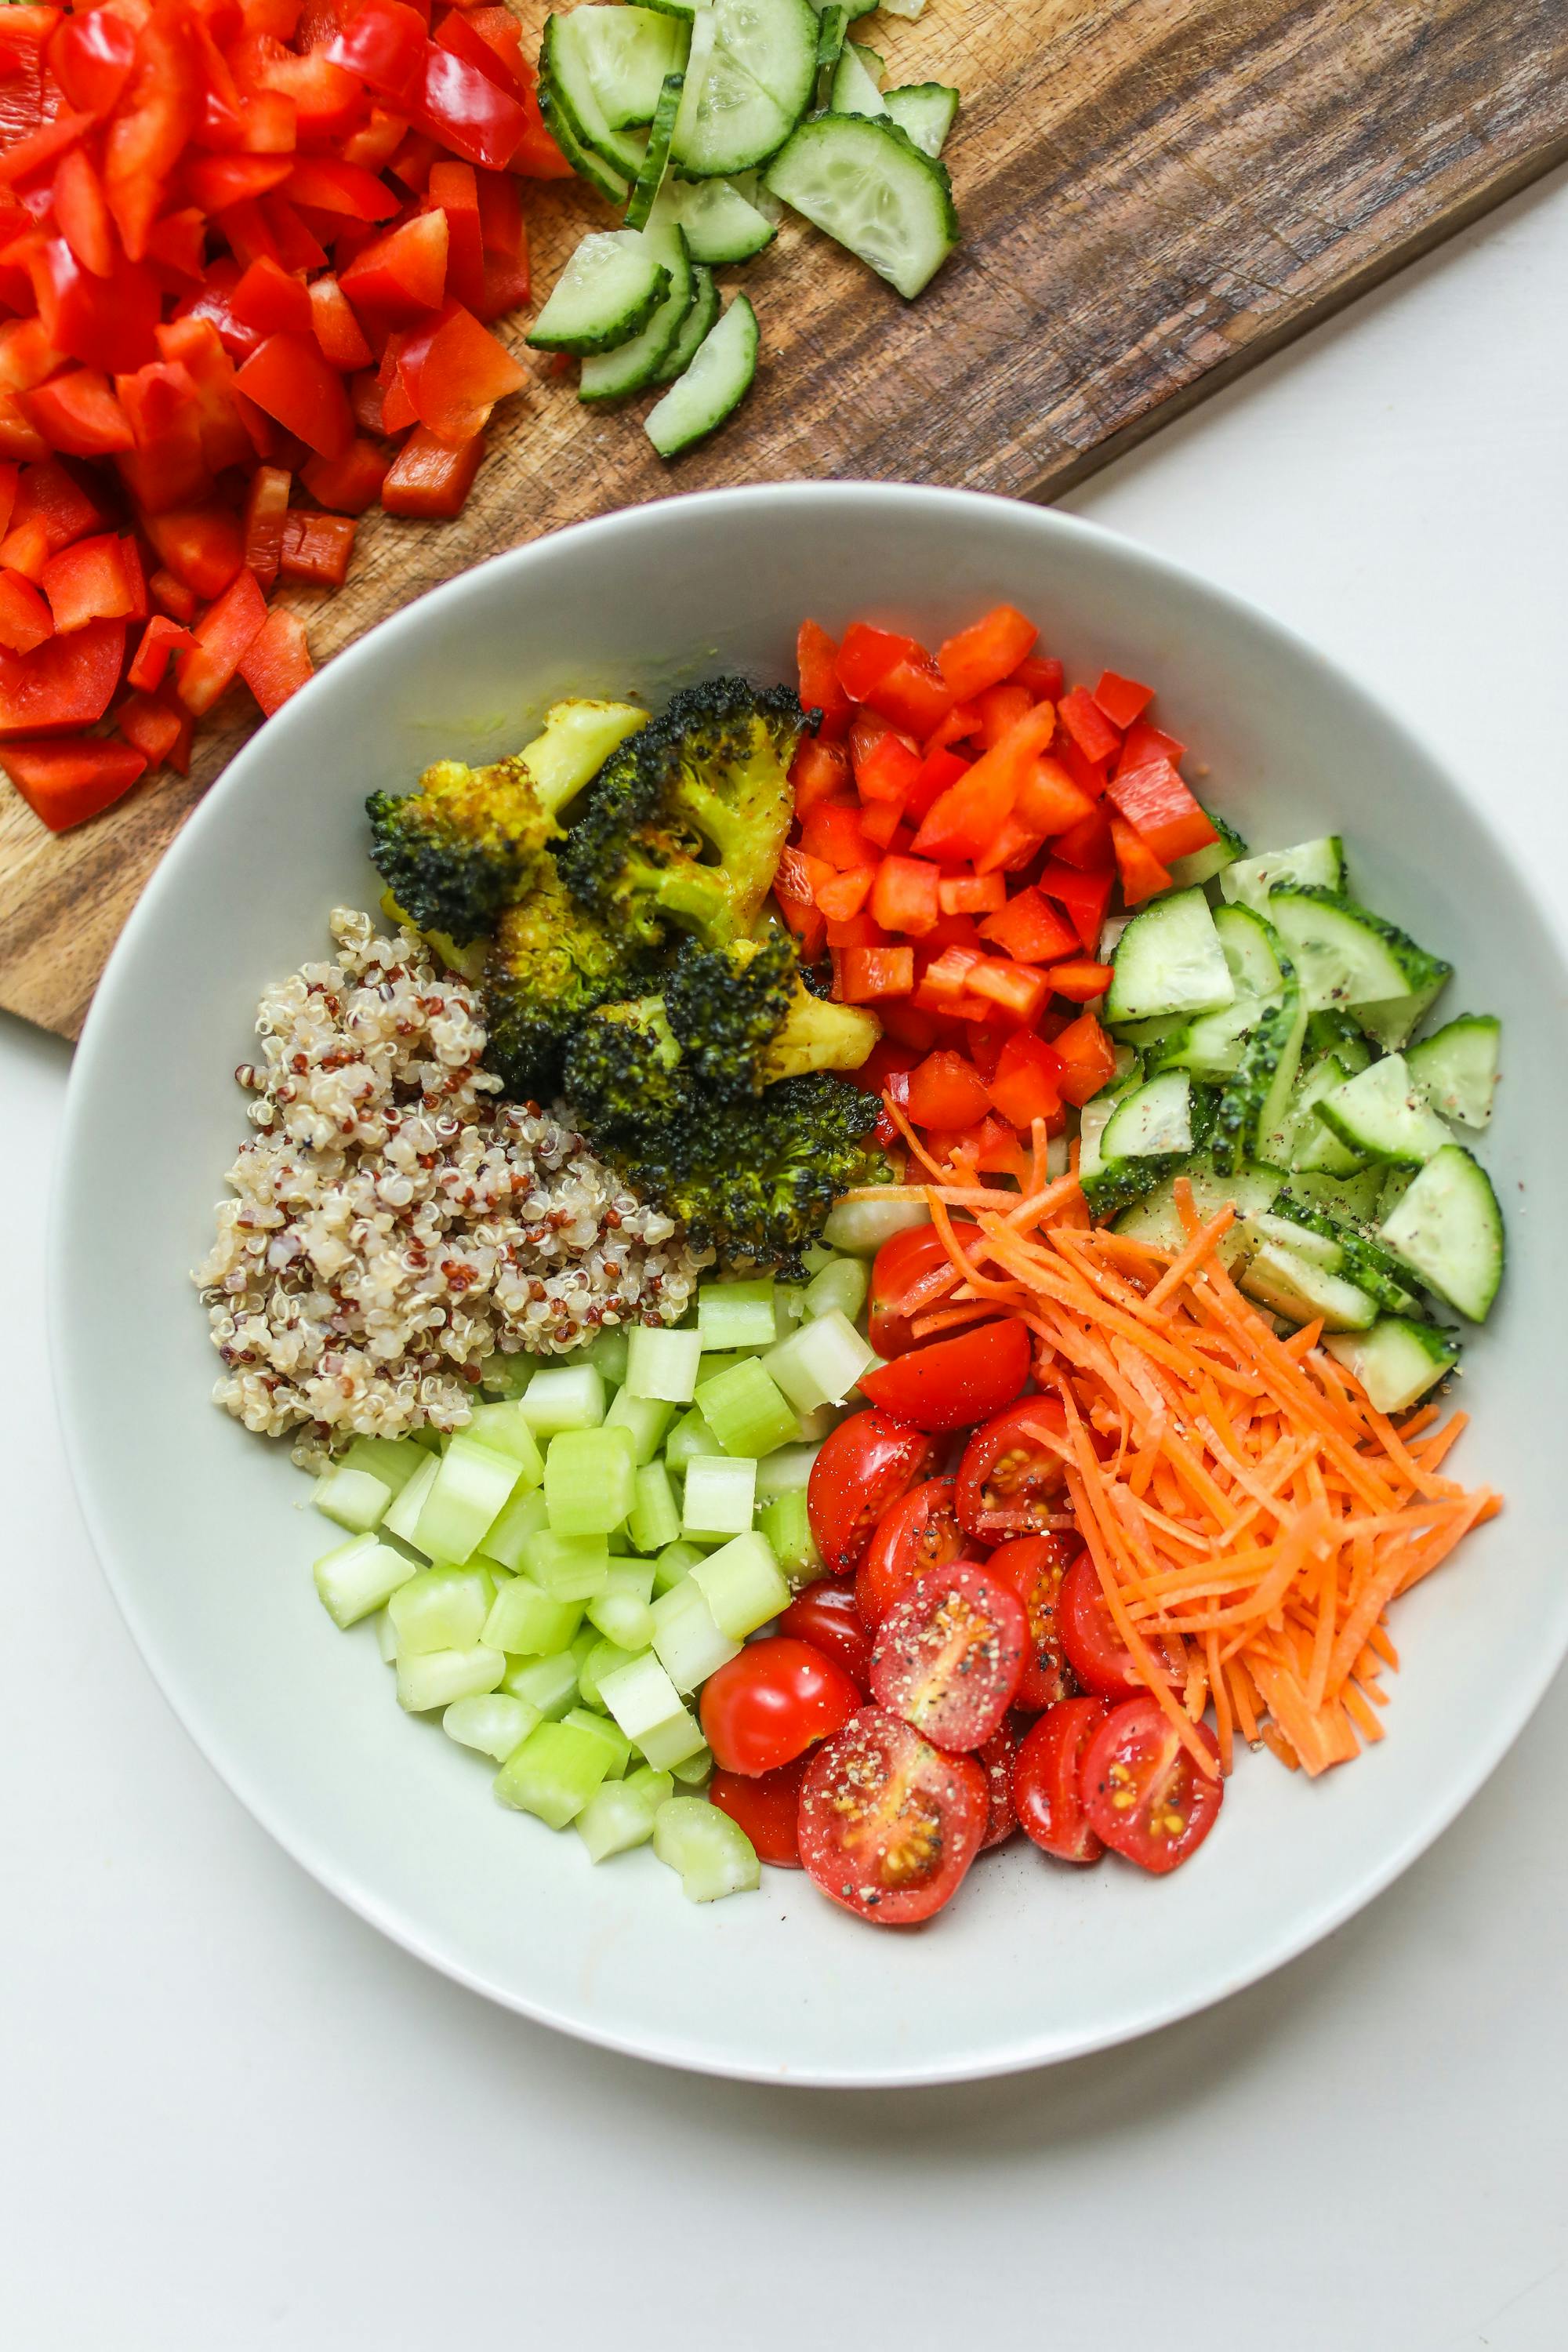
{"x":394,"y":1225}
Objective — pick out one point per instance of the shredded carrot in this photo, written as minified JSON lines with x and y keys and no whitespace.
{"x":1247,"y":1509}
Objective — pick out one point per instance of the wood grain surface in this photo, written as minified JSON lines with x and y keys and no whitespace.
{"x":1154,"y":195}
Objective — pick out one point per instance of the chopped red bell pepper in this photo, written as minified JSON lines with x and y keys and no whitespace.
{"x":224,"y":635}
{"x":1016,"y":989}
{"x":277,"y":662}
{"x":348,"y":484}
{"x":491,"y":40}
{"x":1142,"y":876}
{"x":536,"y":155}
{"x":939,"y":770}
{"x":904,"y":895}
{"x":466,"y":111}
{"x":202,"y":546}
{"x":1024,"y":1085}
{"x":81,"y":215}
{"x":289,"y":379}
{"x":805,"y":920}
{"x":1087,"y":846}
{"x":179,"y":242}
{"x":946,"y":1090}
{"x":1088,"y":725}
{"x":1014,"y":846}
{"x":37,"y":149}
{"x":816,"y":656}
{"x":384,"y":44}
{"x":882,"y":822}
{"x":25,"y":619}
{"x":947,"y":975}
{"x":65,"y":684}
{"x":1048,"y":800}
{"x":1084,"y":895}
{"x":217,"y":182}
{"x":1000,"y":708}
{"x":403,"y":273}
{"x":832,"y":830}
{"x":152,"y":125}
{"x":79,"y":414}
{"x":865,"y":974}
{"x":172,"y":597}
{"x":269,"y":300}
{"x":1123,"y":699}
{"x":338,"y":332}
{"x":151,"y":725}
{"x":429,"y":478}
{"x":168,"y":466}
{"x":867,"y":654}
{"x":103,"y":322}
{"x":1080,"y":980}
{"x":54,"y":496}
{"x":1156,"y":800}
{"x":160,"y":639}
{"x":266,"y":512}
{"x":886,"y":770}
{"x":454,"y":187}
{"x":818,"y":772}
{"x":1088,"y":1059}
{"x":325,"y":184}
{"x":66,"y":781}
{"x":1145,"y":741}
{"x":299,"y":246}
{"x":912,"y":695}
{"x":90,"y":56}
{"x":967,"y":819}
{"x":87,"y":582}
{"x":1029,"y":930}
{"x":136,"y":576}
{"x":987,"y":652}
{"x":971,"y":893}
{"x":454,"y":371}
{"x":318,"y":547}
{"x":843,"y":895}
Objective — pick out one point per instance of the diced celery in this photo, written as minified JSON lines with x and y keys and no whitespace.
{"x":494,"y":1724}
{"x":355,"y":1499}
{"x":402,"y":1516}
{"x":620,"y":1815}
{"x":676,"y":1561}
{"x":504,"y":1429}
{"x":789,"y":1306}
{"x":745,"y":1410}
{"x":473,"y":1485}
{"x":547,"y":1683}
{"x":742,"y":1585}
{"x":437,"y":1678}
{"x":589,"y":1482}
{"x":820,"y":1363}
{"x":393,"y":1460}
{"x":604,"y":1658}
{"x":601,"y":1727}
{"x":719,"y":1497}
{"x":696,"y":1771}
{"x":554,"y":1773}
{"x":506,"y":1374}
{"x":564,"y":1396}
{"x":444,"y":1609}
{"x":644,"y":1420}
{"x":670,"y":1744}
{"x":427,"y":1439}
{"x":712,"y":1854}
{"x":819,"y":1422}
{"x":646,"y":1706}
{"x":662,"y":1364}
{"x":582,"y":1644}
{"x":570,"y":1568}
{"x":784,"y":1472}
{"x":689,"y":1440}
{"x":526,"y":1515}
{"x":526,"y":1622}
{"x":359,"y":1576}
{"x":621,"y":1612}
{"x":608,"y":1353}
{"x":842,"y":1285}
{"x":385,"y":1638}
{"x":786,"y":1524}
{"x":687,"y":1638}
{"x":736,"y":1315}
{"x":655,"y":1518}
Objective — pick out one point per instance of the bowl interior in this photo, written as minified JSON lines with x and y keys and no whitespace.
{"x":199,"y":1526}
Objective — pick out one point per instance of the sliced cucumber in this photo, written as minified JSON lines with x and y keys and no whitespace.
{"x":1457,"y":1069}
{"x":1396,"y":1361}
{"x":1341,"y":1035}
{"x":1155,"y":1117}
{"x":927,"y":111}
{"x":775,"y":41}
{"x":1317,"y":1249}
{"x":1343,"y":1250}
{"x":714,"y":383}
{"x":656,"y":162}
{"x":727,"y":121}
{"x":1249,"y":941}
{"x":612,"y":375}
{"x":627,"y":53}
{"x":1353,"y":1199}
{"x":563,"y":64}
{"x":1303,"y":1142}
{"x":867,"y":185}
{"x":1380,"y":1114}
{"x":1249,"y":880}
{"x":1253,"y":1104}
{"x":1289,"y":1283}
{"x":832,"y":24}
{"x":1212,"y":1045}
{"x":1394,"y":1020}
{"x":1202,"y":865}
{"x":856,"y":89}
{"x":721,"y":224}
{"x":607,"y":292}
{"x":1155,"y":1219}
{"x":1168,"y":959}
{"x":694,"y":327}
{"x":1448,"y":1229}
{"x":614,"y":186}
{"x":1346,"y":954}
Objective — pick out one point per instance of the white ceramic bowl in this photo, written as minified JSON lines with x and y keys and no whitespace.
{"x":197,"y":1523}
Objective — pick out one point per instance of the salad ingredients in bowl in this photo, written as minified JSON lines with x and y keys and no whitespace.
{"x":860,"y":1274}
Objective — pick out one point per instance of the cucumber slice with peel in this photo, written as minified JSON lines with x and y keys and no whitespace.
{"x":1249,"y":880}
{"x":713,"y":385}
{"x":1457,"y":1069}
{"x":1303,"y":1142}
{"x":1249,"y":941}
{"x":694,"y":327}
{"x":633,"y":365}
{"x":1168,"y":959}
{"x":832,"y":24}
{"x":1394,"y":1020}
{"x":1346,"y":955}
{"x":927,"y":111}
{"x":1448,"y":1229}
{"x":722,"y":224}
{"x":1289,"y":1283}
{"x":1381,"y":1115}
{"x":612,"y":185}
{"x":750,"y":77}
{"x":1155,"y":1117}
{"x":1253,"y":1105}
{"x":1396,"y":1361}
{"x":627,"y":54}
{"x":607,"y":292}
{"x":1155,"y":1219}
{"x":1200,"y":865}
{"x":856,"y":89}
{"x":656,"y":162}
{"x":775,"y":41}
{"x":868,"y":186}
{"x":564,"y":63}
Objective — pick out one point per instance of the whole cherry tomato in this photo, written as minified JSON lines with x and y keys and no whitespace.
{"x":909,"y":1259}
{"x":766,"y":1805}
{"x":948,"y":1655}
{"x":864,"y":1464}
{"x":1144,"y":1792}
{"x":771,"y":1703}
{"x":889,"y":1824}
{"x":1094,"y":1649}
{"x":826,"y":1614}
{"x":1034,"y":1566}
{"x":1012,"y":1475}
{"x":949,"y":1383}
{"x":1048,"y":1779}
{"x":916,"y":1533}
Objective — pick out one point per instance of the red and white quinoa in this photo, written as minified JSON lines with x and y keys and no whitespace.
{"x":394,"y":1224}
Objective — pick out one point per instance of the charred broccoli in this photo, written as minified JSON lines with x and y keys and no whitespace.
{"x":624,"y":1074}
{"x":551,"y":965}
{"x":744,"y":1021}
{"x":684,"y":823}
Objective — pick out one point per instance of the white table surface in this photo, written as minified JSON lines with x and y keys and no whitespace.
{"x":231,"y":2116}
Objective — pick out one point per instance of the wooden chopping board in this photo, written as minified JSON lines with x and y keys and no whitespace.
{"x":1154,"y":195}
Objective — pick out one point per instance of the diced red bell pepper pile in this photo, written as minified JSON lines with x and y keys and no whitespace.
{"x":250,"y":253}
{"x":963,"y":824}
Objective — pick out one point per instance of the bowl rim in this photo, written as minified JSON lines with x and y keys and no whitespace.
{"x":204,"y":1730}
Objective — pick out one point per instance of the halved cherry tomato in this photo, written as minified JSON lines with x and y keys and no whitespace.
{"x":826,"y":1615}
{"x":916,"y":1534}
{"x":1012,"y":1471}
{"x":1048,"y":1779}
{"x":1143,"y":1791}
{"x":950,"y":1654}
{"x":1094,"y":1649}
{"x":889,"y":1824}
{"x":901,"y":1265}
{"x":996,"y":1760}
{"x":766,"y":1805}
{"x":952,"y":1381}
{"x":864,"y":1464}
{"x":771,"y":1703}
{"x":1034,"y":1566}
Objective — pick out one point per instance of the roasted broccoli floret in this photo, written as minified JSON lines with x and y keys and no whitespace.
{"x":744,"y":1021}
{"x":754,"y":1180}
{"x":456,"y":850}
{"x":550,"y":966}
{"x":683,"y":827}
{"x":624,"y":1074}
